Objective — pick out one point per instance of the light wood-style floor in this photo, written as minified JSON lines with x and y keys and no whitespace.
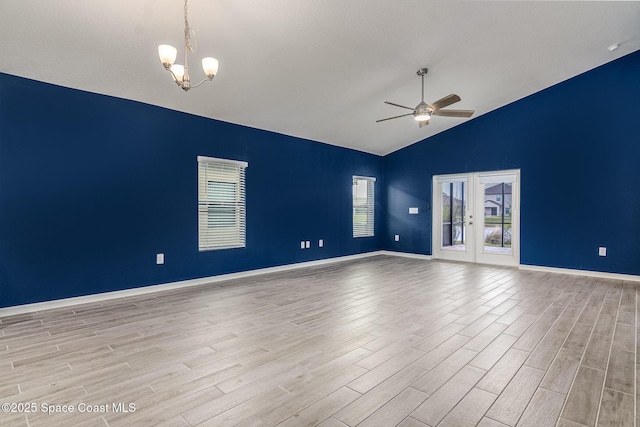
{"x":382,"y":341}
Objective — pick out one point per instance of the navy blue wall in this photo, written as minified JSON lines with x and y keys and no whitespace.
{"x":92,"y":187}
{"x":578,"y":147}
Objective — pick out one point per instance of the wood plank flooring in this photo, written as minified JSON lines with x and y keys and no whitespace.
{"x":383,"y":341}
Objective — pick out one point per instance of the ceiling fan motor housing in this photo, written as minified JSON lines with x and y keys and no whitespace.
{"x":422,"y":112}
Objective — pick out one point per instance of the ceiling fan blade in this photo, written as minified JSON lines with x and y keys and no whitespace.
{"x":423,"y":124}
{"x":445,"y":102}
{"x":453,"y":113}
{"x":398,"y":105}
{"x":389,"y":118}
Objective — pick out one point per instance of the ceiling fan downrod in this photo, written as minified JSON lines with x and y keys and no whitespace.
{"x":422,"y":72}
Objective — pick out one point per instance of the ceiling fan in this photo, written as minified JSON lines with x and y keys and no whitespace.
{"x":423,"y":111}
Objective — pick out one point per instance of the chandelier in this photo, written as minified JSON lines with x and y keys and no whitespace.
{"x":180,"y":73}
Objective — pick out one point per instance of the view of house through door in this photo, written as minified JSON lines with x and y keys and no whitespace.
{"x":475,"y":217}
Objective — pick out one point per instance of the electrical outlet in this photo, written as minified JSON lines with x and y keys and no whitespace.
{"x":397,"y":238}
{"x":320,"y":243}
{"x":307,"y":244}
{"x":302,"y":245}
{"x":413,"y":211}
{"x":159,"y":259}
{"x":602,"y":251}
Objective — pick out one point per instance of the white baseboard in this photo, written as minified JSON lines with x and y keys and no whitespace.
{"x":406,"y":255}
{"x":65,"y":302}
{"x":47,"y":305}
{"x":589,"y":273}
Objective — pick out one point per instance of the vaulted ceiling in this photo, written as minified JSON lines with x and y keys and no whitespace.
{"x":319,"y":70}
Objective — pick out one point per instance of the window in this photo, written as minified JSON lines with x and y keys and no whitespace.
{"x":221,"y":204}
{"x":363,"y":206}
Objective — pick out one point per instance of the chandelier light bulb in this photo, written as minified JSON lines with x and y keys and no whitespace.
{"x":210,"y":67}
{"x":167,"y":55}
{"x":178,"y":72}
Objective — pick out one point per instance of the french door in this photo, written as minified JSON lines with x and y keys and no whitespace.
{"x":476,"y":217}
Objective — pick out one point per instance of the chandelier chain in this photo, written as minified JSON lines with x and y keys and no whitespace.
{"x":187,"y":30}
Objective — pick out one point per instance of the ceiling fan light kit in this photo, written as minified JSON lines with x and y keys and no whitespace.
{"x":180,"y":73}
{"x":423,"y":111}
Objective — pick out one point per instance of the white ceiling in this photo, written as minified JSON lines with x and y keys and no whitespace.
{"x":318,"y":69}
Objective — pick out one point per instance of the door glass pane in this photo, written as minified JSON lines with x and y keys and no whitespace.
{"x":497,"y":218}
{"x":454,"y":205}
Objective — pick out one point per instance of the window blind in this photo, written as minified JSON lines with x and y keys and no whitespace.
{"x":493,"y":178}
{"x":363,"y":206}
{"x":446,"y":179}
{"x":221,"y":204}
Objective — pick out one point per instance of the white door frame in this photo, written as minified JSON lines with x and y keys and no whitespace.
{"x":466,"y":254}
{"x":474,"y":218}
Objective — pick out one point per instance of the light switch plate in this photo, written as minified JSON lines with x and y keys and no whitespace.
{"x":397,"y":238}
{"x":159,"y":259}
{"x":302,"y":245}
{"x":307,"y":244}
{"x":320,"y":243}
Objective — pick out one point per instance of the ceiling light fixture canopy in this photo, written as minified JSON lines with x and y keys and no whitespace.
{"x":180,"y":73}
